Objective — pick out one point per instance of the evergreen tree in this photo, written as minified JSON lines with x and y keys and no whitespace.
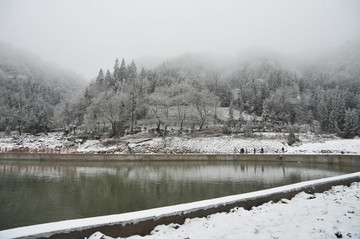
{"x":100,"y":81}
{"x":337,"y":114}
{"x":108,"y":79}
{"x":153,"y":81}
{"x":132,"y":70}
{"x":122,"y":72}
{"x":351,"y":125}
{"x":132,"y":77}
{"x":323,"y":114}
{"x":142,"y":81}
{"x":116,"y":75}
{"x":100,"y":78}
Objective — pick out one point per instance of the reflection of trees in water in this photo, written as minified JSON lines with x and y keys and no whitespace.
{"x":196,"y":171}
{"x":294,"y":178}
{"x":283,"y":169}
{"x":243,"y":168}
{"x":54,"y":171}
{"x":38,"y":170}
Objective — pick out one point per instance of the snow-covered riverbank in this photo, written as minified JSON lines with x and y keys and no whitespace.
{"x":332,"y":214}
{"x":146,"y":143}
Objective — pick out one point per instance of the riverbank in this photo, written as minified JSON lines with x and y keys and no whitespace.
{"x":331,"y":214}
{"x":146,"y":143}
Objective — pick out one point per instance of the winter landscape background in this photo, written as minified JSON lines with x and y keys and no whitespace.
{"x":180,"y":77}
{"x":308,"y":84}
{"x":258,"y":93}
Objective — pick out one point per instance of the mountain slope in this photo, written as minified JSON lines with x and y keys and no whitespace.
{"x":30,"y":90}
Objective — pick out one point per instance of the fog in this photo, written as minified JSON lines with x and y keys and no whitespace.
{"x":85,"y":36}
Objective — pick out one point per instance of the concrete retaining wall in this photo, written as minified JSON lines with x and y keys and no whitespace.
{"x":314,"y":158}
{"x":143,"y":222}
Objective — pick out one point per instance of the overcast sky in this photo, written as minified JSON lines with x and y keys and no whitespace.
{"x":86,"y":35}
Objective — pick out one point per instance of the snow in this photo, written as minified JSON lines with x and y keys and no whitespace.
{"x":305,"y":216}
{"x":91,"y":146}
{"x":332,"y":214}
{"x":348,"y":199}
{"x":50,"y":141}
{"x":337,"y":146}
{"x":143,"y":143}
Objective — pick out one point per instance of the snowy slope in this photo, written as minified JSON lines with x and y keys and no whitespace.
{"x":332,"y":214}
{"x":142,"y":143}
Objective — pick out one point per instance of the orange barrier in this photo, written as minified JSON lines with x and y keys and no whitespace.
{"x":36,"y":150}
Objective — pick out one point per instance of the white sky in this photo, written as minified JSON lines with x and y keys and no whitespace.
{"x":86,"y":35}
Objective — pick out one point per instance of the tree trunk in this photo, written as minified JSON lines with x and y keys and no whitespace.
{"x":113,"y":126}
{"x":158,"y":126}
{"x":201,"y":125}
{"x":19,"y":128}
{"x":181,"y":126}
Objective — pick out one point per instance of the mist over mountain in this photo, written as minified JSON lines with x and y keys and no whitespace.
{"x":192,"y":91}
{"x":31,"y":91}
{"x":283,"y":91}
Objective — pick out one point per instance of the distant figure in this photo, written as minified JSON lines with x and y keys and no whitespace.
{"x":242,"y":150}
{"x":282,"y":149}
{"x":254,"y":151}
{"x":246,"y":151}
{"x":262,"y":150}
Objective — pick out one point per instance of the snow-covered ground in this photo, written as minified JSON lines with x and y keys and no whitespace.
{"x":336,"y":146}
{"x":146,"y":143}
{"x":332,"y":214}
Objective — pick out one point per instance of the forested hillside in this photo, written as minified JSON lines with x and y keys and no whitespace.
{"x":192,"y":91}
{"x":32,"y":92}
{"x":251,"y":92}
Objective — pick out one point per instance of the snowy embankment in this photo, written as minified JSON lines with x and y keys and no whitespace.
{"x":148,"y":144}
{"x":332,"y":214}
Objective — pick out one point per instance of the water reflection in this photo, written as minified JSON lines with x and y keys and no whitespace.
{"x":175,"y":171}
{"x":38,"y":192}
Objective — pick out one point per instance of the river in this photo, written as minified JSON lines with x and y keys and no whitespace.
{"x":33,"y":192}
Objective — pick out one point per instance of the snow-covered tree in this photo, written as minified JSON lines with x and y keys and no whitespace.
{"x":100,"y":81}
{"x":351,"y":124}
{"x":123,"y":74}
{"x":109,"y":107}
{"x":116,"y":80}
{"x":108,"y":80}
{"x":205,"y":104}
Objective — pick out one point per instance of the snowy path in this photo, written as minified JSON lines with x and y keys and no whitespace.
{"x":332,"y":214}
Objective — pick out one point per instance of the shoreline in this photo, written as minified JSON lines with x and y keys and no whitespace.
{"x":340,"y":159}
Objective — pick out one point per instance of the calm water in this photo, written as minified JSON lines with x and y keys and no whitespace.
{"x":39,"y":192}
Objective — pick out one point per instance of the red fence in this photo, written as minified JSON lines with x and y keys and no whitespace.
{"x":41,"y":150}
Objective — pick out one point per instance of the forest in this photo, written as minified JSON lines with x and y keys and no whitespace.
{"x":244,"y":94}
{"x":32,"y":93}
